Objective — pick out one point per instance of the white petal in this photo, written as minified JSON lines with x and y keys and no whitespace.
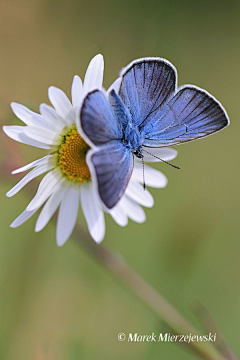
{"x":132,"y":210}
{"x":77,"y":91}
{"x":47,"y":186}
{"x":115,"y":85}
{"x":49,"y":208}
{"x":152,"y":176}
{"x":16,"y":133}
{"x":43,"y":135}
{"x":77,"y":98}
{"x":93,"y":212}
{"x":94,"y":74}
{"x":52,"y":118}
{"x":22,"y":218}
{"x":67,"y":215}
{"x":29,"y":117}
{"x":42,"y":161}
{"x":136,"y":192}
{"x":166,"y":154}
{"x":30,"y":176}
{"x":61,"y":103}
{"x":119,"y":215}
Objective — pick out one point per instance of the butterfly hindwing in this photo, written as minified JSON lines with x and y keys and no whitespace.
{"x":146,"y":86}
{"x":112,"y":165}
{"x":191,"y":114}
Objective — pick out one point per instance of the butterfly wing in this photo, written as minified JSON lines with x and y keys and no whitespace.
{"x":191,"y":114}
{"x":165,"y":118}
{"x":97,"y":120}
{"x":112,"y":166}
{"x":147,"y":84}
{"x":110,"y":162}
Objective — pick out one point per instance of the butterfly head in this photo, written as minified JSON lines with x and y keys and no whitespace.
{"x":138,"y":153}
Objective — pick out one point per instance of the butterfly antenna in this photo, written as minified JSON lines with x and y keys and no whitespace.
{"x":166,"y":162}
{"x":144,"y":184}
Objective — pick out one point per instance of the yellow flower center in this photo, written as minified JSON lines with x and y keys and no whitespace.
{"x":72,"y":157}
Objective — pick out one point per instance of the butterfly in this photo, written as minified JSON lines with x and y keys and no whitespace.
{"x":149,"y":110}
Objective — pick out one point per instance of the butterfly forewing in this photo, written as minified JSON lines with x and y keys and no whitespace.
{"x":97,"y":119}
{"x":146,"y":86}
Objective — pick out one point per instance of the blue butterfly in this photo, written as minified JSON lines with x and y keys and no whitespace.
{"x":149,"y":111}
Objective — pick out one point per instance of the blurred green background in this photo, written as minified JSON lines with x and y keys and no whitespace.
{"x":58,"y":303}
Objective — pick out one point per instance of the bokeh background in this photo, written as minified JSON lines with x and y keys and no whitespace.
{"x":58,"y":303}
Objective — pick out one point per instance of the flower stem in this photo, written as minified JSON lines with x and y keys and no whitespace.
{"x":140,"y":287}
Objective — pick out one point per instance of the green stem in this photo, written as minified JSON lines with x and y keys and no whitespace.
{"x":140,"y":287}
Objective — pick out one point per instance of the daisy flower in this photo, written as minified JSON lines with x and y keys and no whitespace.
{"x":68,"y":179}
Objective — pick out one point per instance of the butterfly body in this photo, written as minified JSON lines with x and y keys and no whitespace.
{"x":129,"y":133}
{"x":148,"y":111}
